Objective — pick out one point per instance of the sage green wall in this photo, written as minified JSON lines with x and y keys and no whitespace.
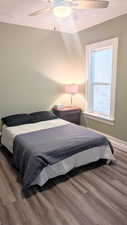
{"x":34,"y":66}
{"x":114,"y":28}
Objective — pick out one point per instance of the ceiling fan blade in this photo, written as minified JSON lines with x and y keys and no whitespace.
{"x":40,"y":11}
{"x":89,"y":4}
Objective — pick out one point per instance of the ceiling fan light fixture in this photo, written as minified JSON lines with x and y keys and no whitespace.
{"x":63,"y":8}
{"x":62,"y":11}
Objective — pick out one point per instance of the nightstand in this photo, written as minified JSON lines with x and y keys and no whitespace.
{"x":71,"y":114}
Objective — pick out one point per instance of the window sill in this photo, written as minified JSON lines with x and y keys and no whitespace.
{"x":99,"y":118}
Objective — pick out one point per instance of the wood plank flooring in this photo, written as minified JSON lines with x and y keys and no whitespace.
{"x":91,"y":195}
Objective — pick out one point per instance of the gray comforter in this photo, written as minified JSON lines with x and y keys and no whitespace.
{"x":34,"y":151}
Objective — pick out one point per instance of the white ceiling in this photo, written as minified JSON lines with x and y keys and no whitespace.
{"x":17,"y":12}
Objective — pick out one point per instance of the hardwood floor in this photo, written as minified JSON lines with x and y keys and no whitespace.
{"x":91,"y":195}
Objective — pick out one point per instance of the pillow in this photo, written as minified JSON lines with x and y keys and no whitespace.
{"x":43,"y":116}
{"x":18,"y":119}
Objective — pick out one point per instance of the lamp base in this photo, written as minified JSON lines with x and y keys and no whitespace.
{"x":71,"y":99}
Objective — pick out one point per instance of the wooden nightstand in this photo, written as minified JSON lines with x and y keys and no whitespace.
{"x":71,"y":114}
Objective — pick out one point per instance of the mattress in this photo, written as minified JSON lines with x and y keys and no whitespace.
{"x":63,"y":166}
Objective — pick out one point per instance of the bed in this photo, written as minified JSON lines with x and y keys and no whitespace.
{"x":46,"y":149}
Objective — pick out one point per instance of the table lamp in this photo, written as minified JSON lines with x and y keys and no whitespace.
{"x":71,"y":89}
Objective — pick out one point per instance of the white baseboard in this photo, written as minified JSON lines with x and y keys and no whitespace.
{"x":116,"y":143}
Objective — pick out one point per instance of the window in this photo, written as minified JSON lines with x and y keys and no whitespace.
{"x":101,"y":62}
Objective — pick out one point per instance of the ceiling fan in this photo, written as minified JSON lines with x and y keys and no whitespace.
{"x":63,"y":8}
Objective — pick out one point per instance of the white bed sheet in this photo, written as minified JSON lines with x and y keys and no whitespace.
{"x":61,"y":167}
{"x":9,"y":133}
{"x":79,"y":159}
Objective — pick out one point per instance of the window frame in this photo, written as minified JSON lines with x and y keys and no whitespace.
{"x":89,"y":49}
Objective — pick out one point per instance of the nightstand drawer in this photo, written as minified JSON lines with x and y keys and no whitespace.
{"x":70,"y":114}
{"x":75,"y":118}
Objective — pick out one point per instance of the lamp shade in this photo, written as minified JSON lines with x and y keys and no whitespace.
{"x":71,"y":88}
